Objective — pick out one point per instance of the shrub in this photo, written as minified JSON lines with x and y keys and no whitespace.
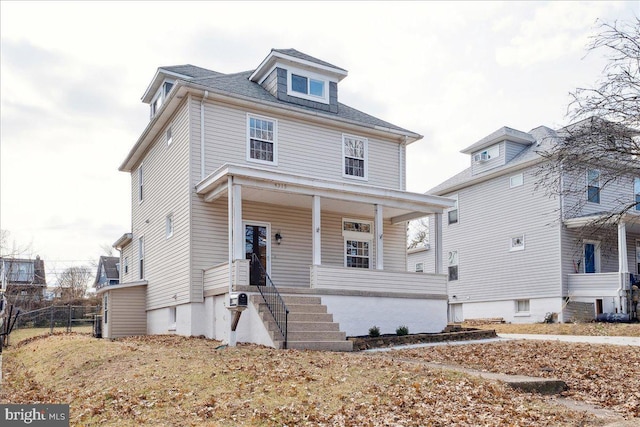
{"x":402,"y":330}
{"x":374,"y":331}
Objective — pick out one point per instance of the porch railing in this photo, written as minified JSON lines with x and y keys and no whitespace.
{"x":274,"y":301}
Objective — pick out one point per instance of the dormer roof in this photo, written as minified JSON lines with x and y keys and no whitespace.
{"x":299,"y":59}
{"x":184,"y":72}
{"x":502,"y":134}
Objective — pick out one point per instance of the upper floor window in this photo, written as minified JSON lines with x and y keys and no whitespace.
{"x":593,"y":186}
{"x":517,"y":243}
{"x":126,"y":265}
{"x":636,"y":190}
{"x":141,"y":256}
{"x":262,"y":135}
{"x":160,"y":97}
{"x":307,"y":85}
{"x":140,"y":184}
{"x":354,"y":150}
{"x":419,"y":267}
{"x":488,"y":154}
{"x":169,"y":135}
{"x":169,"y":226}
{"x":453,"y":212}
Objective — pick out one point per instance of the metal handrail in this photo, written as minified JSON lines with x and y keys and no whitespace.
{"x":274,"y":301}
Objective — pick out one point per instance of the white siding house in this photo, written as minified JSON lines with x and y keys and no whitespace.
{"x":511,"y":251}
{"x":261,"y":181}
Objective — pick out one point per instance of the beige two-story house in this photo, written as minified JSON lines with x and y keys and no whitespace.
{"x":263,"y":183}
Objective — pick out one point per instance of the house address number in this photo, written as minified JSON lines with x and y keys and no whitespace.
{"x":280,"y":185}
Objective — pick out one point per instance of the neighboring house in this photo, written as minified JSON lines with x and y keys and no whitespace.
{"x":512,"y":251}
{"x":25,"y":279}
{"x":257,"y":180}
{"x":108,"y":272}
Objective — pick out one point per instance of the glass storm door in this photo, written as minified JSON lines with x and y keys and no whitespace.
{"x":256,"y":239}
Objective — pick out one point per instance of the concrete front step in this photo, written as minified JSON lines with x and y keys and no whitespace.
{"x":316,"y":336}
{"x":307,"y":308}
{"x":320,"y":345}
{"x":307,"y":326}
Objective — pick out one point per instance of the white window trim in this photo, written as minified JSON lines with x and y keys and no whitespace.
{"x":105,"y":307}
{"x":169,"y":226}
{"x":275,"y":140}
{"x":599,"y":187}
{"x":366,"y":157}
{"x":141,"y":183}
{"x":141,"y":258}
{"x":522,"y":313}
{"x":126,"y":265}
{"x":358,"y":236}
{"x":455,"y":208}
{"x":636,"y":191}
{"x":456,"y":264}
{"x":309,"y":75}
{"x":169,"y":135}
{"x":421,"y":264}
{"x":519,"y":181}
{"x":513,"y":248}
{"x":173,"y":315}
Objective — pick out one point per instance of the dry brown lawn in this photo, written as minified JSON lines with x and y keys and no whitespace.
{"x":177,"y":381}
{"x":593,"y":328}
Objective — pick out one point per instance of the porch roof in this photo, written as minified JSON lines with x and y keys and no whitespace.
{"x":280,"y":188}
{"x":631,"y":220}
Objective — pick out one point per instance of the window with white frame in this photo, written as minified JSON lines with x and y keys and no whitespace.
{"x":172,"y":318}
{"x":593,"y":186}
{"x":517,"y":243}
{"x":169,"y":135}
{"x":105,"y":307}
{"x":419,"y":267}
{"x":354,"y":156}
{"x":126,"y":265}
{"x":522,"y":306}
{"x":307,"y":85}
{"x":453,"y":265}
{"x":262,"y":135}
{"x":141,"y":256}
{"x":140,"y":184}
{"x":169,"y":226}
{"x":452,"y":214}
{"x":358,"y":238}
{"x":516,"y":180}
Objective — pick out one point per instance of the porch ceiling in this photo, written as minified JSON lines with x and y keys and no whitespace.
{"x":296,"y":191}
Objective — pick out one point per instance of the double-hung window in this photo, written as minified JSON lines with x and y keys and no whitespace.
{"x":453,"y":265}
{"x":452,"y":214}
{"x":354,"y":156}
{"x":636,"y":190}
{"x":140,"y":184}
{"x":262,"y":135}
{"x":593,"y":186}
{"x":358,"y":237}
{"x":141,"y":256}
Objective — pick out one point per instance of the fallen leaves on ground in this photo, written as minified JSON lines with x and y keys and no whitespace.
{"x":178,"y":381}
{"x":603,"y":375}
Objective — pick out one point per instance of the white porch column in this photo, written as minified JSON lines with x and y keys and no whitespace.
{"x":238,"y":232}
{"x":379,"y":230}
{"x":623,"y":263}
{"x":316,"y":232}
{"x":436,"y":237}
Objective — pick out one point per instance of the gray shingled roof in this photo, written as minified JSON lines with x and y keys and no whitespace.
{"x":191,"y":71}
{"x":305,"y":57}
{"x":239,"y":84}
{"x":544,"y":139}
{"x":109,"y":264}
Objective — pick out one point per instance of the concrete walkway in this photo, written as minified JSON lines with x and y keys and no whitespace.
{"x":634,"y":341}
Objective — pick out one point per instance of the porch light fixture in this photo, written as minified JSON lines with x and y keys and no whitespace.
{"x":278,"y":238}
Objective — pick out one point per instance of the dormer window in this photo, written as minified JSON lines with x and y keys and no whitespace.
{"x":307,"y":85}
{"x":160,"y":97}
{"x":486,"y":155}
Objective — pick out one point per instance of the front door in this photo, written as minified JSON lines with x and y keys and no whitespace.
{"x":591,"y":257}
{"x":256,"y":237}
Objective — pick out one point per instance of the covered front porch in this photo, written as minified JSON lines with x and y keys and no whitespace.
{"x":597,"y":277}
{"x":342,"y":242}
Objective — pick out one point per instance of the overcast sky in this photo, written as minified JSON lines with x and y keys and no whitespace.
{"x":72,"y":75}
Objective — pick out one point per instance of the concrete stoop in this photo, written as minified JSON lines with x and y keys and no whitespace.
{"x":310,"y":326}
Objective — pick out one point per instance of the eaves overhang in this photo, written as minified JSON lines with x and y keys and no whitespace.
{"x":274,"y":57}
{"x":502,"y":134}
{"x":124,"y":240}
{"x":183,"y":88}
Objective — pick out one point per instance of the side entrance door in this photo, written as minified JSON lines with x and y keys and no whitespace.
{"x":257,"y":241}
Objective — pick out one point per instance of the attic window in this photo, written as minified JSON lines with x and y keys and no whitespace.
{"x":486,"y":155}
{"x":311,"y":86}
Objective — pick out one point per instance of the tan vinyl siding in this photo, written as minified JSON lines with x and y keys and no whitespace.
{"x":303,"y":148}
{"x":127,"y":315}
{"x":166,"y":191}
{"x":487,"y":269}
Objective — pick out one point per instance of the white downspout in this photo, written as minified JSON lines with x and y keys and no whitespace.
{"x":202,"y":163}
{"x":402,"y":170}
{"x":623,"y":264}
